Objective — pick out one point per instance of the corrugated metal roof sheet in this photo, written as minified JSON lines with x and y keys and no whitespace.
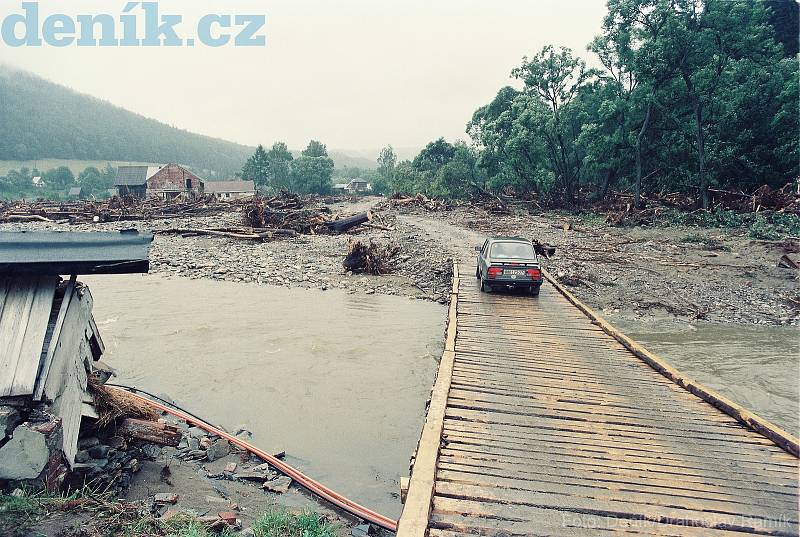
{"x":67,"y":252}
{"x":131,"y":175}
{"x":25,"y":306}
{"x":229,"y":186}
{"x":75,"y":191}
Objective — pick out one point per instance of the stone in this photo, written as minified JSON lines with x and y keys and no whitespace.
{"x":230,"y":467}
{"x":133,"y":465}
{"x":193,"y":444}
{"x":278,"y":485}
{"x":217,"y":450}
{"x":205,"y":442}
{"x":362,"y":530}
{"x":152,"y":451}
{"x":86,"y":443}
{"x":24,"y":456}
{"x":99,"y":451}
{"x":250,"y":476}
{"x":229,"y":517}
{"x":117,"y":442}
{"x":247,"y":532}
{"x":196,"y":454}
{"x":9,"y":419}
{"x":165,"y":497}
{"x":196,"y":432}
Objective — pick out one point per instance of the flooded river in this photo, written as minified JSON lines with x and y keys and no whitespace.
{"x":756,"y":366}
{"x":338,"y":381}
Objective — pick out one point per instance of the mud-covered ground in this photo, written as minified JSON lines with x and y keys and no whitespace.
{"x":636,"y":273}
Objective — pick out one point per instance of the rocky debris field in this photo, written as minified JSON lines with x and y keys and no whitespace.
{"x":653,"y":273}
{"x":421,"y":269}
{"x":645,"y":272}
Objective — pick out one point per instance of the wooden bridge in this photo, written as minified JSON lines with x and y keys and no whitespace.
{"x":545,"y":420}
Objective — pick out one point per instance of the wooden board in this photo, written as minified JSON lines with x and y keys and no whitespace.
{"x":25,"y":304}
{"x":554,"y":423}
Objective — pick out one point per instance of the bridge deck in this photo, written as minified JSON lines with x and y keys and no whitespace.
{"x":548,"y":426}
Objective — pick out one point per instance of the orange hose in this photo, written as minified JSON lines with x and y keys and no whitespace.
{"x":312,"y":486}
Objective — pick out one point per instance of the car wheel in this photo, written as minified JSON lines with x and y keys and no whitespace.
{"x":535,"y":291}
{"x":478,"y":272}
{"x":484,"y":288}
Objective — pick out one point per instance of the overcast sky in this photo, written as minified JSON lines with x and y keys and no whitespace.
{"x":356,"y":74}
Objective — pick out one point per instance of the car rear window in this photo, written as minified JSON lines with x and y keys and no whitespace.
{"x":512,"y":250}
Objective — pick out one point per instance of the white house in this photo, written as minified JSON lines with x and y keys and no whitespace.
{"x":230,"y":189}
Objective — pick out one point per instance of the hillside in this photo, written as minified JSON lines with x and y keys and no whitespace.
{"x":40,"y":119}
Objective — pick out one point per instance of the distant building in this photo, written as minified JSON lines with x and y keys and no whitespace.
{"x":230,"y":189}
{"x":166,"y":182}
{"x":357,"y":185}
{"x":75,"y":192}
{"x":37,"y":182}
{"x":352,"y":187}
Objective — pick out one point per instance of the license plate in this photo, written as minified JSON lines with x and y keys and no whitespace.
{"x":508,"y":272}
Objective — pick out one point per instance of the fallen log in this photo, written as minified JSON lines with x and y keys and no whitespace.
{"x":343,"y":224}
{"x":150,"y":431}
{"x":786,"y":262}
{"x":26,"y":218}
{"x":218,"y":233}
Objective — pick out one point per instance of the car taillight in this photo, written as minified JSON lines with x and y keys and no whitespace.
{"x":535,"y":274}
{"x":494,"y":271}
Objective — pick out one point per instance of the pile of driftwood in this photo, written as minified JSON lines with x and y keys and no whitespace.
{"x":282,"y":216}
{"x":288,"y":211}
{"x":111,"y":210}
{"x":420,"y":200}
{"x":370,"y":258}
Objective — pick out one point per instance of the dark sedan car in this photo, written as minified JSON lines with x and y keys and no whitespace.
{"x":510,"y":263}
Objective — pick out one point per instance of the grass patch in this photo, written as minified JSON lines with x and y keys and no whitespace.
{"x":707,"y":243}
{"x":280,"y":523}
{"x":20,"y":514}
{"x":17,"y":515}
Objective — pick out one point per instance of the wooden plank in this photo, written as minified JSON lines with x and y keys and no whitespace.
{"x":44,"y":369}
{"x":631,"y":496}
{"x":782,"y":439}
{"x":492,"y":519}
{"x":33,"y":341}
{"x":25,"y":304}
{"x":416,"y":511}
{"x":618,"y":509}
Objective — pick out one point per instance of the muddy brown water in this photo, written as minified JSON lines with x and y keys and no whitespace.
{"x":756,"y":366}
{"x":339,"y":381}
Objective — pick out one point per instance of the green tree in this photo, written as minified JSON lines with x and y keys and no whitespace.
{"x":387,"y":161}
{"x":59,"y":178}
{"x":312,"y":175}
{"x":256,"y":168}
{"x":278,"y":166}
{"x":555,"y":77}
{"x":315,"y":149}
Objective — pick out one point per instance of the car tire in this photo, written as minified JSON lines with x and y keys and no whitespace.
{"x":485,"y":288}
{"x":478,"y":273}
{"x":534,"y":290}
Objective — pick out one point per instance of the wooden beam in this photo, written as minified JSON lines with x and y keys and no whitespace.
{"x":416,"y":512}
{"x":150,"y":431}
{"x":781,"y":438}
{"x":51,"y":349}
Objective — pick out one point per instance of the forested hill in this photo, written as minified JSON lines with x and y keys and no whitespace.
{"x":40,"y":119}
